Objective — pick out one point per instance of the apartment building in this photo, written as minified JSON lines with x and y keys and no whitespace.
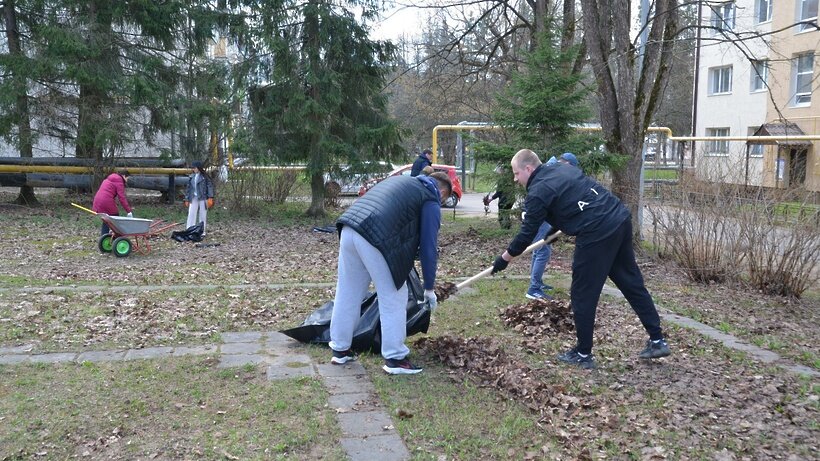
{"x":757,"y":75}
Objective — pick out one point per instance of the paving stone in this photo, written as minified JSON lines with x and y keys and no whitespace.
{"x":348,"y":384}
{"x":229,"y":361}
{"x":287,"y":347}
{"x":101,"y":356}
{"x":241,"y":337}
{"x":9,"y":359}
{"x":240,"y":348}
{"x":355,"y":402}
{"x":24,"y":349}
{"x":383,"y":448}
{"x":148,"y":353}
{"x":291,"y":360}
{"x":55,"y":357}
{"x":347,"y":369}
{"x":289,"y":371}
{"x":803,"y":370}
{"x":210,"y":349}
{"x":274,"y":337}
{"x":365,"y":423}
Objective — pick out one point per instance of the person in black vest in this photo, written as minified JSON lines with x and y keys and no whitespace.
{"x":379,"y":237}
{"x":424,"y":159}
{"x":577,"y":205}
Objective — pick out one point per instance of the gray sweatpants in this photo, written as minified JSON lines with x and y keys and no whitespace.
{"x":359,"y":263}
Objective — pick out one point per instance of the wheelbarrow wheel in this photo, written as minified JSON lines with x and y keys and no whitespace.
{"x":121,"y":247}
{"x":105,"y":243}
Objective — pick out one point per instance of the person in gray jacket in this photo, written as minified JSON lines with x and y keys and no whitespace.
{"x":199,"y":196}
{"x":379,"y":238}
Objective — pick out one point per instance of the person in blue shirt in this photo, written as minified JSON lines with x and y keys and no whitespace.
{"x":541,"y":256}
{"x":577,"y":205}
{"x":424,"y":159}
{"x":379,"y":238}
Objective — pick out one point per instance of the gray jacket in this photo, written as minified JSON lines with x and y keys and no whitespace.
{"x":204,"y":188}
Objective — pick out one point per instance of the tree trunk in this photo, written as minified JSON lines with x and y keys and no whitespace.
{"x":317,"y":196}
{"x":26,"y":196}
{"x":628,"y":94}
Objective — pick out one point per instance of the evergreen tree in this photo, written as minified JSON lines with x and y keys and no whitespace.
{"x":323,"y":102}
{"x":15,"y":116}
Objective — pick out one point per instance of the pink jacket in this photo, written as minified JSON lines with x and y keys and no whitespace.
{"x":113,"y":187}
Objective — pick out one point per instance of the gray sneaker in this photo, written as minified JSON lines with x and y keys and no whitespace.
{"x":572,"y":357}
{"x":655,"y":349}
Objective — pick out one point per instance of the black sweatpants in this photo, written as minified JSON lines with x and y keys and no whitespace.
{"x":592,"y":263}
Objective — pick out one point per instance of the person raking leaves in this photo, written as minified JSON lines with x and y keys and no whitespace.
{"x":577,"y":205}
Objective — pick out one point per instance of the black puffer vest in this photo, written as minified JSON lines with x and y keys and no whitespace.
{"x":389,"y":217}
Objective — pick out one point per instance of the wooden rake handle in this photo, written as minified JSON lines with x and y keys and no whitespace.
{"x":528,"y":250}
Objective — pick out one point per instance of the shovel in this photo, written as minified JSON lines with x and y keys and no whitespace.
{"x":551,"y":238}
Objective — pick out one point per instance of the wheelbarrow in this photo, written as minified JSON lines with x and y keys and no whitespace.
{"x":128,"y":235}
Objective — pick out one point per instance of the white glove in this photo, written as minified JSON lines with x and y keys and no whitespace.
{"x":431,"y":298}
{"x":130,"y":215}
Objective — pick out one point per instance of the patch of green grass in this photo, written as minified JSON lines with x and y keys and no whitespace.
{"x":455,"y":420}
{"x":650,"y":173}
{"x":173,"y":408}
{"x":724,"y":327}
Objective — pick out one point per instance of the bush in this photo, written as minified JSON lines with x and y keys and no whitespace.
{"x":719,"y":232}
{"x":247,"y":187}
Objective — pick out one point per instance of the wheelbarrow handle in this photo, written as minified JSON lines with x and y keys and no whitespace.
{"x":489,"y":270}
{"x":84,"y":208}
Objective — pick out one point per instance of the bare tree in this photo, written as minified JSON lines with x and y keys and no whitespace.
{"x":628,"y":94}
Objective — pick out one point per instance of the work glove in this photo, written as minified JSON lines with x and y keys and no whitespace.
{"x":210,"y":203}
{"x":499,"y":264}
{"x":431,"y":298}
{"x":130,"y":215}
{"x":186,"y":203}
{"x":486,"y":200}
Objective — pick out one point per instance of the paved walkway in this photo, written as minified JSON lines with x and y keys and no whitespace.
{"x":368,"y":433}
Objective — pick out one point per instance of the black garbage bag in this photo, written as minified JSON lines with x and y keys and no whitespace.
{"x":367,"y":334}
{"x":192,"y":234}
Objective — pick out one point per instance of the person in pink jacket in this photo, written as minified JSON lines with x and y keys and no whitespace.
{"x":111,"y":190}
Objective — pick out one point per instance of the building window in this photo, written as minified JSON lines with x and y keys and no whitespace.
{"x":760,"y":75}
{"x":720,"y":80}
{"x":723,"y":16}
{"x":806,"y":11}
{"x":717,"y":146}
{"x":755,"y":150}
{"x":763,"y":11}
{"x":803,"y":67}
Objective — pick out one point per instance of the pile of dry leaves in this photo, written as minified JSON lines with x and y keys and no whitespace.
{"x":537,"y":319}
{"x":484,"y":359}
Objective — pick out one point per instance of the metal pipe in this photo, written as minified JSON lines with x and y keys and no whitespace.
{"x":86,"y":169}
{"x":457,"y":128}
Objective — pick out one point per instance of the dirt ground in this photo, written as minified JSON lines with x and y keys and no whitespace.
{"x":710,"y":396}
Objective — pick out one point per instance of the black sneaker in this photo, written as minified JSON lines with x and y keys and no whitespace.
{"x":400,"y":367}
{"x":587,"y":362}
{"x":655,"y":349}
{"x":340,"y":358}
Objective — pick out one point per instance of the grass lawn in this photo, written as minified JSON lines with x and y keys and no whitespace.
{"x":491,"y":388}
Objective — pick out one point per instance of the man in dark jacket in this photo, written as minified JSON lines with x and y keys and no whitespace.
{"x":577,"y":205}
{"x":424,"y":159}
{"x":379,"y":237}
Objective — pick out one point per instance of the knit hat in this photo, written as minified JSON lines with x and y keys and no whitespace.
{"x":197,"y":165}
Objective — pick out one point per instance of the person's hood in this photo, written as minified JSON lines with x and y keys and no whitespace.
{"x":429,"y":183}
